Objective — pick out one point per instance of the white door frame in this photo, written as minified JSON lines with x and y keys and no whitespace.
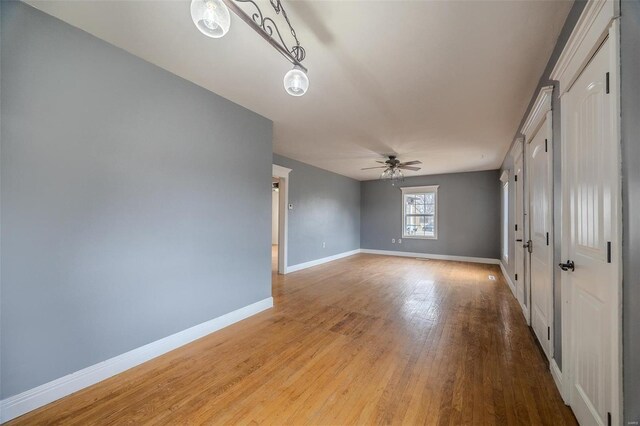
{"x":283,"y":216}
{"x":598,"y":21}
{"x":517,"y":153}
{"x":541,"y":112}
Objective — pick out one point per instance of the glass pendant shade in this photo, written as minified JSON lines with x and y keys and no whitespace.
{"x":211,"y":17}
{"x":394,"y":175}
{"x":296,"y":82}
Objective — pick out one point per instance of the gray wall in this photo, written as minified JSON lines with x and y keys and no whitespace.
{"x":130,"y":198}
{"x":326,"y":208}
{"x":0,"y":204}
{"x":468,"y":215}
{"x":569,"y":24}
{"x":630,"y":104}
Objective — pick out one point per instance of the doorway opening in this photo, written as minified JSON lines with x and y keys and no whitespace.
{"x":280,"y":214}
{"x":275,"y":207}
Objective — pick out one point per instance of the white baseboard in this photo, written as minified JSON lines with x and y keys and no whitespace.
{"x":512,"y":286}
{"x":317,"y":262}
{"x":557,"y":377}
{"x":432,"y":256}
{"x":525,"y":312}
{"x":24,"y":402}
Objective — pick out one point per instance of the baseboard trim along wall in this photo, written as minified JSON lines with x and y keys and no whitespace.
{"x":317,"y":262}
{"x":557,"y":377}
{"x":512,"y":286}
{"x":432,"y":256}
{"x":24,"y":402}
{"x":525,"y":310}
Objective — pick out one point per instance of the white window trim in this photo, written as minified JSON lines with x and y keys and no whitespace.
{"x":419,"y":190}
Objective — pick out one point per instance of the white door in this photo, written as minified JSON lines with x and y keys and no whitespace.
{"x":539,"y":182}
{"x":519,"y":229}
{"x":592,"y":173}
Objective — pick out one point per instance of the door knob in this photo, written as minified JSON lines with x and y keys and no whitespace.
{"x":569,"y":266}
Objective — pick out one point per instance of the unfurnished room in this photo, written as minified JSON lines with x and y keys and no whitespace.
{"x":320,"y":212}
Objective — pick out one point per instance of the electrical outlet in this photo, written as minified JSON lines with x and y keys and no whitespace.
{"x":290,"y":206}
{"x":324,"y":245}
{"x":393,"y":241}
{"x":399,"y":240}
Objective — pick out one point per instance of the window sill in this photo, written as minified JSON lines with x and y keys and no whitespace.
{"x":413,"y":237}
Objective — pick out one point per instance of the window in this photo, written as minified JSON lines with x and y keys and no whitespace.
{"x":420,"y":212}
{"x":505,"y":221}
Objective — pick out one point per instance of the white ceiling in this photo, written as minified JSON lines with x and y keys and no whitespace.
{"x":444,"y":82}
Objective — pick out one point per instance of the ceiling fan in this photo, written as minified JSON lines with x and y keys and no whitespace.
{"x":392,"y":168}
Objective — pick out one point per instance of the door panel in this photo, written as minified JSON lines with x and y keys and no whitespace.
{"x":591,"y":182}
{"x":539,"y":168}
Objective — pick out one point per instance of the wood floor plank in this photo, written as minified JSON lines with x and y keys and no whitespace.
{"x":362,"y":340}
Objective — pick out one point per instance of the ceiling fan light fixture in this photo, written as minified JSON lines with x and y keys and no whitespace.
{"x":296,"y":82}
{"x":211,"y":17}
{"x":392,"y":169}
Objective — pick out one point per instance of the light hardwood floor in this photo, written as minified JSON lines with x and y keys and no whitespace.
{"x":362,"y":340}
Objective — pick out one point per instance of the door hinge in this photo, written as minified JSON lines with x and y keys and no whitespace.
{"x":546,"y":147}
{"x":608,"y":251}
{"x":516,"y":226}
{"x":516,"y":176}
{"x":548,"y":333}
{"x":608,"y":414}
{"x":547,"y":238}
{"x":516,"y":277}
{"x":607,"y":83}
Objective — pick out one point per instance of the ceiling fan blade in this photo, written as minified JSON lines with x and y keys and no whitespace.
{"x":410,"y":163}
{"x":377,"y":167}
{"x":381,"y":162}
{"x":415,"y":169}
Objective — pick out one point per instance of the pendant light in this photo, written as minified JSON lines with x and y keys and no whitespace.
{"x":211,"y":17}
{"x":296,"y":81}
